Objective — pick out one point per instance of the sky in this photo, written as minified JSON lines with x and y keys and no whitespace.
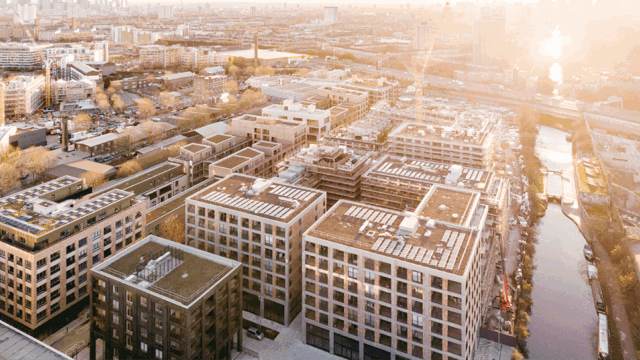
{"x":341,"y":3}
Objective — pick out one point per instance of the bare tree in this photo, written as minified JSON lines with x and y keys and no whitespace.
{"x":37,"y":160}
{"x":231,"y":87}
{"x":9,"y":176}
{"x":174,"y":150}
{"x":166,"y":99}
{"x":173,"y":229}
{"x":102,"y":100}
{"x":82,"y":122}
{"x":264,"y":70}
{"x":117,"y":102}
{"x":146,"y":109}
{"x":9,"y":154}
{"x":93,"y":179}
{"x":152,"y":130}
{"x":123,"y":143}
{"x":129,"y":168}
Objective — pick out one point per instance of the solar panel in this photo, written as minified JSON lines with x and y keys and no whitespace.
{"x":405,"y":251}
{"x":367,"y":214}
{"x":279,"y":211}
{"x":460,"y":241}
{"x":452,"y":239}
{"x":267,"y":209}
{"x":286,"y":215}
{"x":377,"y":244}
{"x":297,"y":193}
{"x":379,"y":217}
{"x":427,"y":258}
{"x":445,"y":237}
{"x":287,"y":192}
{"x":398,"y":249}
{"x":413,"y":252}
{"x":360,"y":213}
{"x":392,"y":247}
{"x":277,"y":190}
{"x":444,"y":258}
{"x":385,"y":244}
{"x":259,"y":206}
{"x":351,"y":209}
{"x":308,"y":197}
{"x":452,"y":260}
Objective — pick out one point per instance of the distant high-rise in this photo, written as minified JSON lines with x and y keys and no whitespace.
{"x":424,"y":36}
{"x":24,"y":13}
{"x":330,"y":14}
{"x":489,"y":40}
{"x":252,"y":10}
{"x":165,"y":12}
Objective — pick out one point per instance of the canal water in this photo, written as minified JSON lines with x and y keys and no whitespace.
{"x":563,"y":319}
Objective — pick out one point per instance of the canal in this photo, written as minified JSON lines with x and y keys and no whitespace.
{"x":563,"y":319}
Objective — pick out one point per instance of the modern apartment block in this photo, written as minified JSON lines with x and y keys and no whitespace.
{"x":402,"y":183}
{"x":21,"y":55}
{"x":382,"y":284}
{"x":62,"y":90}
{"x":377,"y":90}
{"x":318,"y":122}
{"x":164,"y":300}
{"x":159,"y":55}
{"x":50,"y":240}
{"x":259,"y":223}
{"x":470,"y":143}
{"x":24,"y":95}
{"x":489,"y":37}
{"x":291,"y":134}
{"x":336,"y":170}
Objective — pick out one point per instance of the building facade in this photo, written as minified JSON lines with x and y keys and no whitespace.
{"x":164,"y":300}
{"x":259,"y":223}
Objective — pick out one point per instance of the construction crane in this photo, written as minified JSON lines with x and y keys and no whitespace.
{"x":46,"y":64}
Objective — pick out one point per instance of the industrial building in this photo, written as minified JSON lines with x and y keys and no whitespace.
{"x":51,"y":239}
{"x":164,"y":300}
{"x":259,"y":223}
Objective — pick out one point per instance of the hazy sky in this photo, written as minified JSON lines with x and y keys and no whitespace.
{"x":342,"y":3}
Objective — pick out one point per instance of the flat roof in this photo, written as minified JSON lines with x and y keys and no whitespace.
{"x":405,"y":170}
{"x":267,"y":144}
{"x":281,"y":202}
{"x":194,"y":148}
{"x":99,"y":140}
{"x":231,"y":161}
{"x":143,"y":176}
{"x":441,"y":246}
{"x":216,"y":139}
{"x":16,"y":345}
{"x":246,"y":152}
{"x":166,"y":264}
{"x":448,"y":204}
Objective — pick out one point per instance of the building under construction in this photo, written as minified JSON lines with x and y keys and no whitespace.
{"x":336,"y":170}
{"x":24,"y":95}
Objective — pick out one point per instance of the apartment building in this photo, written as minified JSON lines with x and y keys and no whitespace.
{"x":401,"y":184}
{"x":195,"y":58}
{"x":24,"y":95}
{"x":339,"y":95}
{"x":318,"y":122}
{"x":21,"y":55}
{"x":112,"y":144}
{"x":336,"y":170}
{"x":209,"y":87}
{"x":78,"y":51}
{"x":470,"y":143}
{"x":382,"y":284}
{"x":164,"y":300}
{"x":74,"y":90}
{"x":175,"y":81}
{"x":245,"y":161}
{"x":291,"y":134}
{"x":50,"y":241}
{"x":159,"y":55}
{"x":377,"y":90}
{"x":259,"y":223}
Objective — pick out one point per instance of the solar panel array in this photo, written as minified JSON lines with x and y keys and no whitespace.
{"x":35,"y":191}
{"x":243,"y":203}
{"x":472,"y":175}
{"x":11,"y":221}
{"x":449,"y":248}
{"x":293,"y":193}
{"x":374,"y":216}
{"x":89,"y":207}
{"x":415,"y":173}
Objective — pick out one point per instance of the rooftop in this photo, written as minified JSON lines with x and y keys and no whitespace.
{"x":167,"y":269}
{"x":249,"y":194}
{"x":194,"y":148}
{"x":16,"y":345}
{"x":448,"y":204}
{"x":216,"y":139}
{"x":423,"y":173}
{"x":263,"y":54}
{"x":427,"y":242}
{"x":142,"y":177}
{"x":591,"y":178}
{"x":239,"y":158}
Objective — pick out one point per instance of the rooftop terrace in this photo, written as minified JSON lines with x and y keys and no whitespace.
{"x":281,"y":202}
{"x":441,"y":246}
{"x":447,"y":204}
{"x":168,"y":269}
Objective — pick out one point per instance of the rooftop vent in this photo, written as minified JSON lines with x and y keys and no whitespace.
{"x":442,"y":207}
{"x":408,"y":226}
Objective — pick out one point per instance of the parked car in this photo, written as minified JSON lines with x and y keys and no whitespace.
{"x":588,"y":252}
{"x":255,"y":333}
{"x":592,"y":272}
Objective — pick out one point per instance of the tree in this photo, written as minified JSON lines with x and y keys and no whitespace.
{"x":264,"y":70}
{"x":93,"y":179}
{"x":231,"y":87}
{"x":174,"y":150}
{"x":233,"y":70}
{"x":117,"y":102}
{"x":129,"y":168}
{"x":102,"y":100}
{"x":37,"y":160}
{"x":82,"y":122}
{"x":173,"y":229}
{"x":151,"y":129}
{"x":146,"y":109}
{"x":9,"y":154}
{"x":123,"y":143}
{"x":229,"y":106}
{"x":251,"y":98}
{"x":516,"y":355}
{"x":166,"y":99}
{"x":9,"y":176}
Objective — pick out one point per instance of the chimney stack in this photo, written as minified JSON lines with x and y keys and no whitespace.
{"x":65,"y":134}
{"x":255,"y":50}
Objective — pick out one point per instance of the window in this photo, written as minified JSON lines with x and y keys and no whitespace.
{"x":417,"y":321}
{"x":143,"y":301}
{"x":96,"y":235}
{"x":116,"y":319}
{"x":353,"y":273}
{"x":158,"y":354}
{"x":416,"y":276}
{"x":143,"y":346}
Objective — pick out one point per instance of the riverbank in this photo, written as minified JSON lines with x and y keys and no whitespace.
{"x":621,"y":341}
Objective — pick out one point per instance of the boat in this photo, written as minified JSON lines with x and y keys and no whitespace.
{"x":598,"y":299}
{"x":603,"y":338}
{"x":588,"y":252}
